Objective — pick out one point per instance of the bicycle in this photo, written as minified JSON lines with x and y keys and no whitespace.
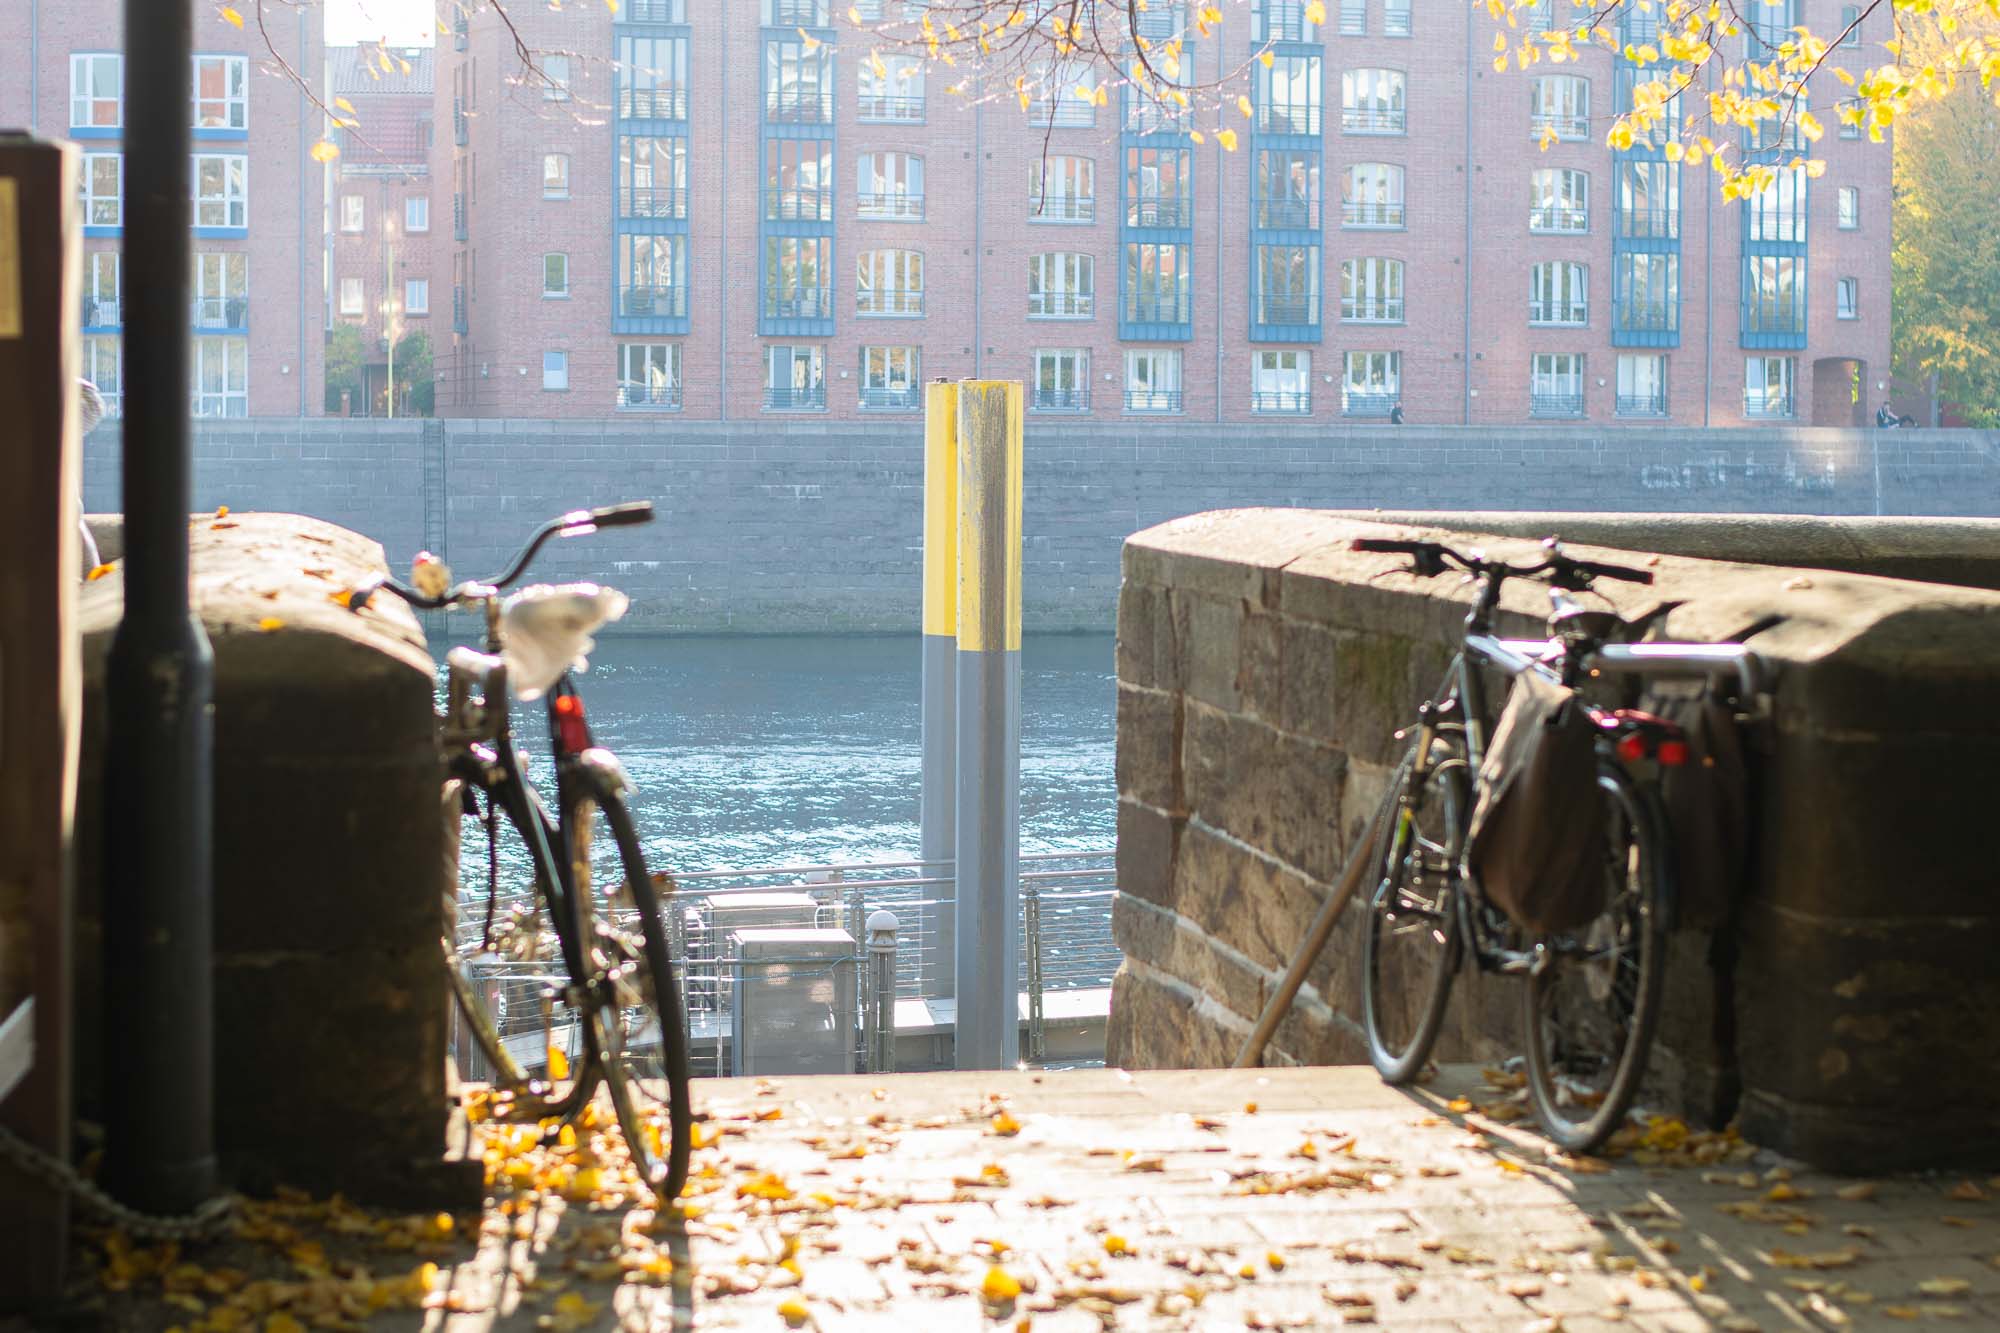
{"x":1593,"y":995}
{"x":603,"y":920}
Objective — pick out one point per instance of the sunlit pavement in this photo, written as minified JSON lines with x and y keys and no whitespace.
{"x":1295,"y":1198}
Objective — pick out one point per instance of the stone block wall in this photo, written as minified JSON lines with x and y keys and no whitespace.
{"x":1262,"y":672}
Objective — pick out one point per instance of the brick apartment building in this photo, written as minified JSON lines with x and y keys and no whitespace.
{"x":704,"y":209}
{"x":256,"y":314}
{"x":379,"y":200}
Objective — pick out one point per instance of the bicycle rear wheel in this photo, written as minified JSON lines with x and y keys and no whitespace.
{"x":1410,"y":943}
{"x":635,"y":1018}
{"x":1591,"y":1008}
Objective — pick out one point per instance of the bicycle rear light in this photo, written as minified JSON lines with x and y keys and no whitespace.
{"x":1632,"y":746}
{"x":1673,"y":753}
{"x":570,"y":725}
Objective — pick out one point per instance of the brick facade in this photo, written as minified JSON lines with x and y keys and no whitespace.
{"x":1467,"y":151}
{"x":257,"y":317}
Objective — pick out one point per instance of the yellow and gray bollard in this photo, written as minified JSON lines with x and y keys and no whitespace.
{"x":940,"y":671}
{"x":987,"y":939}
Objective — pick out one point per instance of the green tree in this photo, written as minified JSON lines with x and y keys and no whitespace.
{"x":1946,"y":258}
{"x":343,"y":367}
{"x":414,"y":375}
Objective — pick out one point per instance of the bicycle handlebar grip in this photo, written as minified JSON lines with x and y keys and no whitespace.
{"x":1618,"y":572}
{"x":623,"y":515}
{"x":357,"y":597}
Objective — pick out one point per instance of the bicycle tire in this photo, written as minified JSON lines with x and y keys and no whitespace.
{"x":606,"y":917}
{"x":1384,"y":985}
{"x":470,"y":971}
{"x":1569,"y":998}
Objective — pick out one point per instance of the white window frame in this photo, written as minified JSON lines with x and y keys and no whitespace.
{"x":883,"y":97}
{"x":87,"y":64}
{"x":1153,"y":379}
{"x":1848,"y":208}
{"x":1062,"y":189}
{"x":1630,"y":386}
{"x":1057,"y":364}
{"x":889,"y":186}
{"x":234,"y":203}
{"x":1847,"y":298}
{"x":104,"y":367}
{"x":1374,"y":100}
{"x":1397,"y":19}
{"x":555,"y":371}
{"x":232,"y":398}
{"x":1371,"y":383}
{"x":1067,"y":282}
{"x":649,"y":376}
{"x":1560,"y":102}
{"x":1757,"y":370}
{"x":235,"y":100}
{"x":353,"y":298}
{"x":416,"y":214}
{"x":888,"y":370}
{"x":1561,"y":198}
{"x":353,"y":214}
{"x":416,"y":296}
{"x":1372,"y":290}
{"x":1386,"y":179}
{"x":552,"y":189}
{"x":105,"y":306}
{"x":1281,"y":381}
{"x":555,"y":78}
{"x":92,"y":203}
{"x":813,"y":358}
{"x":1556,"y":375}
{"x":219,"y":277}
{"x":1559,"y":294}
{"x":559,"y":292}
{"x":889,"y":283}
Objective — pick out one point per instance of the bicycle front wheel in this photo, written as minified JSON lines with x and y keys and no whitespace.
{"x":1410,"y":943}
{"x":1592,"y":1005}
{"x":635,"y":1016}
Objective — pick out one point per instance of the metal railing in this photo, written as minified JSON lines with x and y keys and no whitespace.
{"x":1558,"y":218}
{"x":1285,"y":21}
{"x":1642,"y":404}
{"x":1288,"y":119}
{"x":458,"y":324}
{"x":1564,"y":403}
{"x":103,"y":312}
{"x":1353,"y":18}
{"x":889,"y":301}
{"x":1058,"y":400}
{"x":1774,"y":317}
{"x":787,"y":399}
{"x":1396,"y":21}
{"x":652,"y":201}
{"x":1156,"y":307}
{"x":654,"y":11}
{"x":1062,"y":305}
{"x":660,"y":397}
{"x":1374,"y":119}
{"x":1062,"y":109}
{"x":1661,"y":223}
{"x":1559,"y":313}
{"x":656,"y":301}
{"x":795,"y":205}
{"x":1371,"y":215}
{"x":1282,"y":402}
{"x":1292,"y":311}
{"x":458,"y":121}
{"x":1769,"y":405}
{"x":670,"y":103}
{"x":1378,"y":310}
{"x":901,"y":398}
{"x":1152,"y":400}
{"x":221,"y":312}
{"x":798,"y":13}
{"x":800,"y":303}
{"x":895,"y":205}
{"x":458,"y":215}
{"x":799,"y":108}
{"x":886,"y":109}
{"x":1159,"y":213}
{"x":1369,"y":402}
{"x":1565,"y":124}
{"x":1062,"y":208}
{"x":1644,"y":316}
{"x":1286,"y":212}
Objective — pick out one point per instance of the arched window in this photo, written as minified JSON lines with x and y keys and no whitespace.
{"x":891,"y":186}
{"x":1372,"y":195}
{"x":1559,"y":104}
{"x":893,"y":92}
{"x":1559,"y":200}
{"x":1372,"y":101}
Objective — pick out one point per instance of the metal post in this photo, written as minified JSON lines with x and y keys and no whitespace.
{"x":159,"y":1114}
{"x":1031,"y":912}
{"x":987,"y":944}
{"x":939,"y":668}
{"x":882,"y":992}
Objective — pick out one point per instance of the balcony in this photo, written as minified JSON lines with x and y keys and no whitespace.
{"x":1062,"y":109}
{"x":799,"y":303}
{"x":458,"y":323}
{"x":1062,"y":305}
{"x":1645,"y":316}
{"x":1161,"y":22}
{"x":1369,"y":402}
{"x":654,"y":203}
{"x":1156,"y":308}
{"x":1784,"y":318}
{"x":652,"y":104}
{"x":884,"y":110}
{"x":798,"y":107}
{"x":654,"y":11}
{"x":797,"y":205}
{"x":661,"y":302}
{"x":1558,"y":219}
{"x":1285,"y":21}
{"x":1769,"y":406}
{"x":891,"y":206}
{"x":1288,"y":310}
{"x":1159,"y":213}
{"x":1373,"y":119}
{"x":1652,"y":404}
{"x":1282,"y":213}
{"x":880,"y":302}
{"x":1353,"y":18}
{"x":1566,"y":125}
{"x":1556,"y":403}
{"x":1648,"y":224}
{"x":220,"y":312}
{"x":795,"y":398}
{"x":1371,"y":215}
{"x":1282,"y":402}
{"x":1287,"y":119}
{"x":1396,"y":20}
{"x":649,"y":397}
{"x":1062,"y":208}
{"x":458,"y":230}
{"x":1152,"y":400}
{"x":896,"y":398}
{"x":1559,"y":314}
{"x":1058,"y":400}
{"x":1376,"y":310}
{"x":458,"y":133}
{"x":102,"y":312}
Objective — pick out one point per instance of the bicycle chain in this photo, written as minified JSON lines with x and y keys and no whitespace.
{"x":61,"y":1176}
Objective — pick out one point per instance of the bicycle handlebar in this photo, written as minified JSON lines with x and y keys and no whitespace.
{"x":576,"y":523}
{"x":1433,"y":558}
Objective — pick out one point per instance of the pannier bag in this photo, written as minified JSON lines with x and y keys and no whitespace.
{"x":1708,"y":808}
{"x":1537,"y":839}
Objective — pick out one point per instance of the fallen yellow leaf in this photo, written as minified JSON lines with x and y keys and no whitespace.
{"x":999,"y":1286}
{"x":269,"y":623}
{"x":1005,"y":1125}
{"x":794,"y":1313}
{"x":1114,"y":1244}
{"x":558,"y":1063}
{"x":1944,"y":1286}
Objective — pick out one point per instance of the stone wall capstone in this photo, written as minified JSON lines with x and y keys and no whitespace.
{"x":1840,"y":1008}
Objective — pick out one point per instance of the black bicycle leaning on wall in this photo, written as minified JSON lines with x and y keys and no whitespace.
{"x":592,"y":909}
{"x":1593,"y":992}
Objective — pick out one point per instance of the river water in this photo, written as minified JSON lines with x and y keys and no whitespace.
{"x":772,"y":751}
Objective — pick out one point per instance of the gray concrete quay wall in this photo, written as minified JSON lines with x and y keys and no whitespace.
{"x":1840,"y":1002}
{"x":816,"y":526}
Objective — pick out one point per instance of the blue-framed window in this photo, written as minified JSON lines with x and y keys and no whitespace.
{"x":101,"y":193}
{"x":796,"y":13}
{"x":1767,"y":27}
{"x":1156,"y":286}
{"x":652,"y":178}
{"x":1159,"y":191}
{"x":798,"y":81}
{"x":1286,"y":190}
{"x":798,"y":274}
{"x":1286,"y":125}
{"x":1646,"y":199}
{"x":1287,"y":93}
{"x":652,"y":278}
{"x":221,"y":96}
{"x":651,"y":76}
{"x":1645,"y":299}
{"x":1284,"y":287}
{"x":1774,"y":300}
{"x":96,"y":94}
{"x":221,"y":194}
{"x":798,"y":180}
{"x":1281,"y":21}
{"x":653,"y":11}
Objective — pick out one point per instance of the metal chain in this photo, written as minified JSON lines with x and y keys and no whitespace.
{"x":61,"y":1176}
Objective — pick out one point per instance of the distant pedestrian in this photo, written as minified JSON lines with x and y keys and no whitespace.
{"x":1396,"y":415}
{"x":1883,"y":416}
